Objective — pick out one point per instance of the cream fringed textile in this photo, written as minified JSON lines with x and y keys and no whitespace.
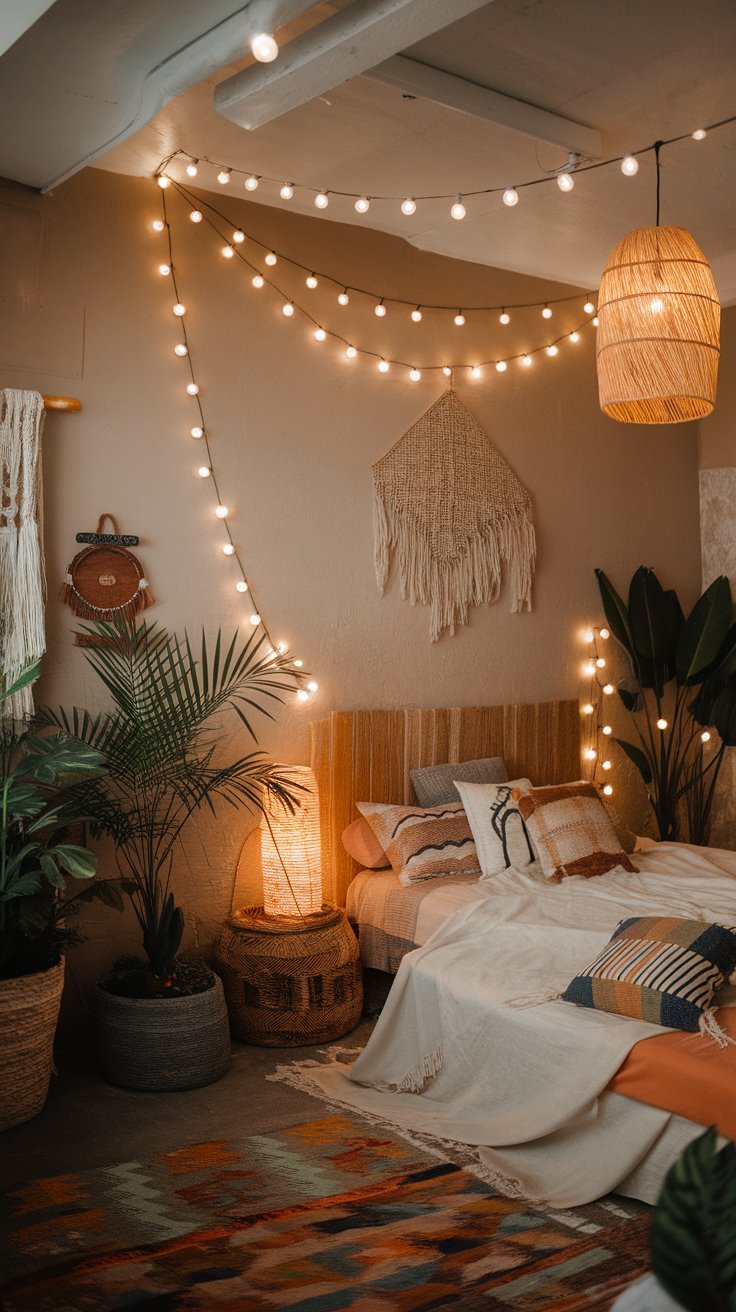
{"x":458,"y":517}
{"x":22,"y":579}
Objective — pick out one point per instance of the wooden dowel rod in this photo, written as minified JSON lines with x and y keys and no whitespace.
{"x":61,"y":403}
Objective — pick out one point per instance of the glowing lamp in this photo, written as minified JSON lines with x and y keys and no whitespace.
{"x":290,"y":851}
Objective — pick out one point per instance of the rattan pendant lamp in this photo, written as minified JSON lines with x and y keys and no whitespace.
{"x":658,"y":328}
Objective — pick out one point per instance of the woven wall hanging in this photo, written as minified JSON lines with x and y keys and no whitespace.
{"x":457,"y":516}
{"x":105,"y":579}
{"x":22,"y":577}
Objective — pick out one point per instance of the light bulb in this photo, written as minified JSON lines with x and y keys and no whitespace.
{"x":286,"y":192}
{"x":204,"y":471}
{"x":192,"y":169}
{"x":164,"y":268}
{"x":362,"y":205}
{"x":302,"y":695}
{"x":287,"y":309}
{"x":656,"y":304}
{"x":510,"y":196}
{"x":589,"y":307}
{"x":228,"y":252}
{"x":222,"y":512}
{"x":526,"y":359}
{"x":224,"y":176}
{"x":546,"y":312}
{"x":552,"y":350}
{"x":313,"y":686}
{"x":158,"y":225}
{"x":504,"y":317}
{"x":629,"y":166}
{"x":565,"y":182}
{"x":408,"y":206}
{"x":238,"y":236}
{"x":588,"y":635}
{"x":415,"y":375}
{"x":162,"y":181}
{"x":270,"y":258}
{"x":588,"y":710}
{"x":606,"y":729}
{"x":196,"y":216}
{"x":192,"y":389}
{"x":475,"y":372}
{"x":320,"y":334}
{"x":608,"y":688}
{"x":383,"y":366}
{"x":459,"y":318}
{"x":197,"y":431}
{"x":590,"y":754}
{"x":501,"y":366}
{"x":255,"y":620}
{"x":179,"y":310}
{"x":311,"y":281}
{"x":458,"y":209}
{"x":589,"y":670}
{"x":257,"y":281}
{"x":574,"y":337}
{"x":705,"y":737}
{"x":321,"y":200}
{"x":604,"y":633}
{"x":661,"y":724}
{"x":606,"y":765}
{"x":264,"y":47}
{"x":608,"y":790}
{"x":251,"y":183}
{"x":228,"y":549}
{"x":380,"y":309}
{"x":281,"y":648}
{"x":351,"y":353}
{"x":180,"y":349}
{"x":241,"y":586}
{"x":600,"y":662}
{"x":416,"y":315}
{"x":699,"y":134}
{"x":447,"y":371}
{"x":298,"y":664}
{"x":343,"y":298}
{"x":595,"y":321}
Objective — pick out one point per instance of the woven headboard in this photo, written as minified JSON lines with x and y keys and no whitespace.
{"x":366,"y":756}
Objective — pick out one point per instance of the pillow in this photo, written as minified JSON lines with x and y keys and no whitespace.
{"x":658,"y":969}
{"x":361,"y":843}
{"x":434,"y":784}
{"x":571,"y":831}
{"x":498,"y":826}
{"x":422,"y":844}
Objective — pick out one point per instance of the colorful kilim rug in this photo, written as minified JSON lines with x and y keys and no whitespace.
{"x":315,"y":1218}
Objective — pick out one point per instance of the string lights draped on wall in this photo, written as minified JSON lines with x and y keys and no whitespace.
{"x":594,"y":709}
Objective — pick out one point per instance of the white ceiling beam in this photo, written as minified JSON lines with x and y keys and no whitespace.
{"x":350,"y":42}
{"x":16,"y":16}
{"x":416,"y":79}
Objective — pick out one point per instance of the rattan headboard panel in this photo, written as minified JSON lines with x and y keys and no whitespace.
{"x":366,"y":756}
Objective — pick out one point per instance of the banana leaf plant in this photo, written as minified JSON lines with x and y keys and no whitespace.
{"x":161,"y":752}
{"x":693,"y":1245}
{"x":683,"y":673}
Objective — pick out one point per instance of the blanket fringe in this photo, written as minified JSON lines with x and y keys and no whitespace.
{"x":425,"y":1070}
{"x":709,"y":1028}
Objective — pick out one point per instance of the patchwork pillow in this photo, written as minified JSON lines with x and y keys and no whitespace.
{"x":499,"y":829}
{"x":571,"y":831}
{"x":658,"y":969}
{"x":422,"y":844}
{"x":361,"y":844}
{"x":434,"y":785}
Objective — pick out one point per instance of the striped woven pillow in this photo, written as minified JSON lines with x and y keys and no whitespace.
{"x":658,"y":969}
{"x":422,"y":844}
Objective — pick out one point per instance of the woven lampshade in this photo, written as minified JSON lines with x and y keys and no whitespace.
{"x":290,"y":851}
{"x":658,"y":329}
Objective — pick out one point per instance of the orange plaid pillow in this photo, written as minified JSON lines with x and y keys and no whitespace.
{"x":572,"y":831}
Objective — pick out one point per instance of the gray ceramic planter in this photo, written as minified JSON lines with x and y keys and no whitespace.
{"x":162,"y":1043}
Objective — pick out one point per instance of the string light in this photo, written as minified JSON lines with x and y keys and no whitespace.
{"x":604,"y":634}
{"x":264,"y":47}
{"x":196,"y":216}
{"x":302,"y":695}
{"x":661,"y":724}
{"x":504,"y":317}
{"x":228,"y":252}
{"x":600,"y":662}
{"x":362,"y":205}
{"x":257,"y":281}
{"x":408,"y":206}
{"x":501,"y":366}
{"x":588,"y":709}
{"x":287,"y":309}
{"x":552,"y":350}
{"x":705,"y":737}
{"x":415,"y":375}
{"x":565,"y":182}
{"x":223,"y":177}
{"x":699,"y":134}
{"x":607,"y":729}
{"x":475,"y":372}
{"x":163,"y":182}
{"x":312,"y":686}
{"x":255,"y":620}
{"x":574,"y":337}
{"x":608,"y":688}
{"x":320,"y":335}
{"x":589,"y":670}
{"x":179,"y":310}
{"x":510,"y":196}
{"x":311,"y":281}
{"x":197,"y":431}
{"x":589,"y":307}
{"x":606,"y":765}
{"x":447,"y":371}
{"x":271,"y":259}
{"x":164,"y":268}
{"x":192,"y":168}
{"x":351,"y":353}
{"x":157,"y":225}
{"x":228,"y":549}
{"x":595,"y":321}
{"x":588,"y":635}
{"x":298,"y":664}
{"x":238,"y":236}
{"x":416,"y":315}
{"x":546,"y":312}
{"x":204,"y":471}
{"x":383,"y":366}
{"x":180,"y":349}
{"x":526,"y":359}
{"x":458,"y":209}
{"x":241,"y":585}
{"x":590,"y":754}
{"x":287,"y":191}
{"x":629,"y":166}
{"x":608,"y":790}
{"x":321,"y":200}
{"x":192,"y":389}
{"x":222,"y":512}
{"x":343,"y":298}
{"x":459,"y":318}
{"x":380,"y":309}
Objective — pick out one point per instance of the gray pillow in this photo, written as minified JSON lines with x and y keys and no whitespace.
{"x":434,"y":785}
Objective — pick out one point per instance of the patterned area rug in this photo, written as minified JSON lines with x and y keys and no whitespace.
{"x":318,"y":1217}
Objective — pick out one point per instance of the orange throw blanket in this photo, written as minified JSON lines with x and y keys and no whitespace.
{"x":685,"y":1073}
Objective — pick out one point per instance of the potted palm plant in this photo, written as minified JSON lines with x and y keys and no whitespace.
{"x":38,"y":809}
{"x":161,"y":1023}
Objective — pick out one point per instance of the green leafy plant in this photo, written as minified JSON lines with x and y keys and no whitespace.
{"x":160,"y":750}
{"x":38,"y":809}
{"x":693,"y":1243}
{"x":682,"y":672}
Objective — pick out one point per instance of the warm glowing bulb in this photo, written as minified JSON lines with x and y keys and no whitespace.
{"x":251,"y":183}
{"x":241,"y":586}
{"x":311,"y":281}
{"x":505,"y":318}
{"x":270,"y":258}
{"x":320,"y":335}
{"x":228,"y":252}
{"x":224,"y":176}
{"x":312,"y":686}
{"x":408,"y":206}
{"x":661,"y":724}
{"x":608,"y":790}
{"x":158,"y":225}
{"x":606,"y":765}
{"x":526,"y":359}
{"x":162,"y":181}
{"x":351,"y":353}
{"x":302,"y":695}
{"x":281,"y":648}
{"x":222,"y":512}
{"x":180,"y":349}
{"x":180,"y":310}
{"x":380,"y":309}
{"x":458,"y":209}
{"x":415,"y":375}
{"x":383,"y":366}
{"x":197,"y":431}
{"x":343,"y":298}
{"x":447,"y":371}
{"x":416,"y":315}
{"x":192,"y":389}
{"x":204,"y":471}
{"x":287,"y":309}
{"x":475,"y":371}
{"x":164,"y":268}
{"x":656,"y":304}
{"x":196,"y":216}
{"x":595,"y":321}
{"x":588,"y":710}
{"x":705,"y":737}
{"x":362,"y":205}
{"x":604,"y":633}
{"x":588,"y":308}
{"x":257,"y":281}
{"x":600,"y":662}
{"x":255,"y":620}
{"x":589,"y":754}
{"x":238,"y":236}
{"x":286,"y":192}
{"x":459,"y":319}
{"x":629,"y":166}
{"x":546,"y":312}
{"x":264,"y":47}
{"x":588,"y":635}
{"x":699,"y":134}
{"x":589,"y":670}
{"x":565,"y":182}
{"x":608,"y":688}
{"x":501,"y":366}
{"x":574,"y":337}
{"x":228,"y":549}
{"x":551,"y":350}
{"x":192,"y":169}
{"x":607,"y":729}
{"x":510,"y":196}
{"x":321,"y":200}
{"x":298,"y":664}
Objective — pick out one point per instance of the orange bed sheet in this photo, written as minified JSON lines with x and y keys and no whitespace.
{"x":685,"y":1073}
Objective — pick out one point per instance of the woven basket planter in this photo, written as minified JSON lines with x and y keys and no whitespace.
{"x":290,"y":982}
{"x":29,"y":1010}
{"x":162,"y":1043}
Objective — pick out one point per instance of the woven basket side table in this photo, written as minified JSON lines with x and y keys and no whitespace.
{"x":290,"y":981}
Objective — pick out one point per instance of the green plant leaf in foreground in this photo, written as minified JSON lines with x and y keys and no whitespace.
{"x":704,"y":632}
{"x":693,"y":1232}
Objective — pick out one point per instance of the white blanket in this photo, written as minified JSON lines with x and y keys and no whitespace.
{"x":462,"y":1052}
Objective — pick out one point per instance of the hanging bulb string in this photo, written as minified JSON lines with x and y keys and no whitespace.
{"x":657,"y":147}
{"x":450,"y":195}
{"x":378,"y":355}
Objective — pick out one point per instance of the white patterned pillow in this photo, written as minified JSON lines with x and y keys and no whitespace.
{"x":498,"y":827}
{"x":422,"y":844}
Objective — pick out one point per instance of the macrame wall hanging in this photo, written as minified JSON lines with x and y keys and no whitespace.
{"x":22,"y":579}
{"x":106,"y":580}
{"x":457,"y":517}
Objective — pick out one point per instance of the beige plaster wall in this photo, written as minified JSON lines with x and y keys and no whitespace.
{"x":295,"y":430}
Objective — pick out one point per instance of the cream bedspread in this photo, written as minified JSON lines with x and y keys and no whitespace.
{"x":465,"y":1050}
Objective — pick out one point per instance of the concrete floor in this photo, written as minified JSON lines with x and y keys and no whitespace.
{"x":89,"y":1123}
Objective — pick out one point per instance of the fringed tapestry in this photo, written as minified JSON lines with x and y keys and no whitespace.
{"x":106,"y":579}
{"x":457,"y":516}
{"x":22,"y":578}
